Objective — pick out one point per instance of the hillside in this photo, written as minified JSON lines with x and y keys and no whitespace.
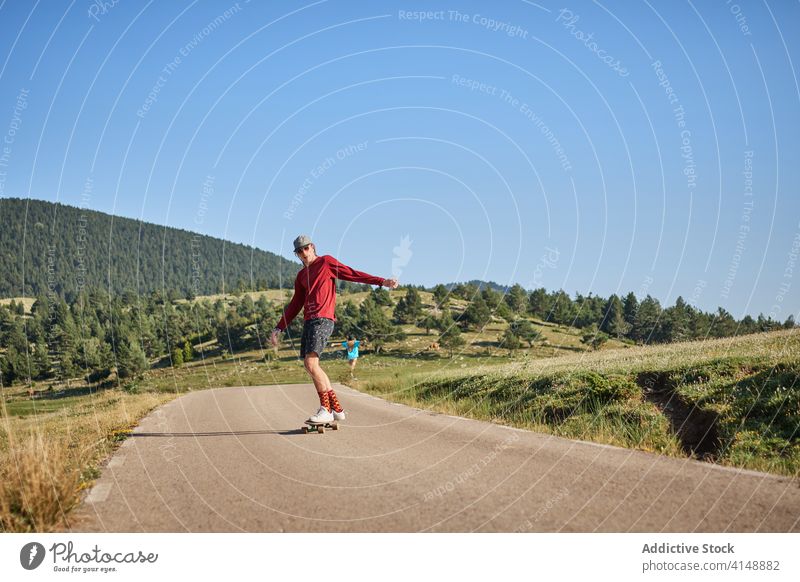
{"x":733,"y":401}
{"x":45,"y":244}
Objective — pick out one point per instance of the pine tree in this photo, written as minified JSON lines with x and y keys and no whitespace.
{"x":147,"y":331}
{"x":6,"y":374}
{"x":13,"y":366}
{"x":492,"y":298}
{"x":460,"y":290}
{"x":629,"y":307}
{"x":450,"y":338}
{"x":12,"y":337}
{"x":765,"y":324}
{"x":517,"y":299}
{"x":105,"y":363}
{"x":510,"y":340}
{"x":539,"y":303}
{"x":90,"y":353}
{"x":563,"y":310}
{"x":264,"y":308}
{"x":469,"y":291}
{"x":12,"y":334}
{"x":476,"y":315}
{"x":177,"y":358}
{"x":375,"y":326}
{"x":441,"y":296}
{"x":231,"y":331}
{"x":724,"y":325}
{"x":428,"y":323}
{"x":381,"y":296}
{"x":748,"y":325}
{"x":41,"y":361}
{"x":676,"y":322}
{"x":69,"y":348}
{"x":188,"y":352}
{"x":699,"y":324}
{"x":504,"y":311}
{"x":131,"y":361}
{"x":347,"y":319}
{"x":588,"y":311}
{"x":174,"y":326}
{"x":613,"y":322}
{"x":524,"y":330}
{"x":646,"y":323}
{"x":247,"y":308}
{"x":106,"y":357}
{"x":409,"y":307}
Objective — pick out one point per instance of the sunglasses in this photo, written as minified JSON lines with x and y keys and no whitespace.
{"x":305,"y":248}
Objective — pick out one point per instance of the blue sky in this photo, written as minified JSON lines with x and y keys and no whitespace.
{"x":604,"y":148}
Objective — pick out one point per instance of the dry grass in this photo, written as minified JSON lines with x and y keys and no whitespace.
{"x":769,"y":347}
{"x":37,"y":484}
{"x":278,"y":295}
{"x":47,"y":460}
{"x":26,"y":301}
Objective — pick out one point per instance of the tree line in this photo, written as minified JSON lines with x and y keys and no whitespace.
{"x":627,"y":318}
{"x":100,"y":335}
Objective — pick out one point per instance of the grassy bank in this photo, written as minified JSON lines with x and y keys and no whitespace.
{"x":734,"y":401}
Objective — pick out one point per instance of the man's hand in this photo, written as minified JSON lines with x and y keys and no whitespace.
{"x":390,"y":283}
{"x":274,"y":337}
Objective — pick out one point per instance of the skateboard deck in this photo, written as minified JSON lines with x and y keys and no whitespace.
{"x":319,"y":426}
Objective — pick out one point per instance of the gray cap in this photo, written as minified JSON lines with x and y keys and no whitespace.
{"x":301,"y":241}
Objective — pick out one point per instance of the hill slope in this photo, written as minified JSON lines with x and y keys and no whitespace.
{"x":47,"y":245}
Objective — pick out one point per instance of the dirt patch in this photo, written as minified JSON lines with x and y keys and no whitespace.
{"x":696,"y":429}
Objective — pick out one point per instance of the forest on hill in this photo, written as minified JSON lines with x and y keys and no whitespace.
{"x":54,"y":248}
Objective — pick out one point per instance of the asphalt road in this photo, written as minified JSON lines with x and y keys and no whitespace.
{"x":235,"y":459}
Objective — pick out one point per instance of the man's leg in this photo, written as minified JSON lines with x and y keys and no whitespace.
{"x":321,"y":381}
{"x":327,"y":396}
{"x":318,"y":339}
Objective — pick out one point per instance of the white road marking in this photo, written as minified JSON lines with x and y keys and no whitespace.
{"x":117,"y":461}
{"x":99,"y":493}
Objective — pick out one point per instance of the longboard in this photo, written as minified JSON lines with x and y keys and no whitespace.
{"x":319,"y":426}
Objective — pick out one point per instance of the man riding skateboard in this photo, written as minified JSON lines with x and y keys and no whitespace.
{"x":315,"y":292}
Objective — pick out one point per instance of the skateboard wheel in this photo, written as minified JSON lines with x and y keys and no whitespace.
{"x":321,"y":429}
{"x":305,"y":430}
{"x":335,"y":427}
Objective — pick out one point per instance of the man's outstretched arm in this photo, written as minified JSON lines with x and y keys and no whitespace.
{"x":345,"y":273}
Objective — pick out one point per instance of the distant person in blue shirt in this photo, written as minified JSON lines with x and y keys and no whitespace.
{"x":351,"y":347}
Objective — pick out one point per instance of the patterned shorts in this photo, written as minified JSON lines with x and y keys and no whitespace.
{"x":316,"y":333}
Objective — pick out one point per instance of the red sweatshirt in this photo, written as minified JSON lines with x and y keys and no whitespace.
{"x":315,"y":289}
